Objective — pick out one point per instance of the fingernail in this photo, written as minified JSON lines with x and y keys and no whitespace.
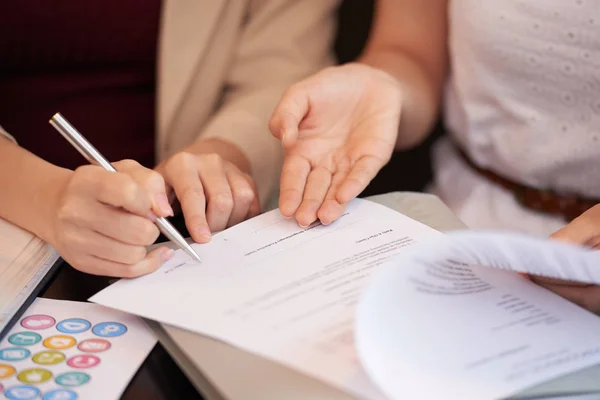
{"x":204,"y":233}
{"x":163,"y":204}
{"x":167,"y":254}
{"x":152,"y":217}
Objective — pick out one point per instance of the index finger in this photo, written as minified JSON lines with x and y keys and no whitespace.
{"x":288,"y":114}
{"x":294,"y":174}
{"x":189,"y":190}
{"x":361,"y":174}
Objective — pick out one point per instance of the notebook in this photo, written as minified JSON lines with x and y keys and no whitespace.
{"x":27,"y":264}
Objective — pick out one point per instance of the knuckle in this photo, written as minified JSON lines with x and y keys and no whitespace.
{"x":143,"y":232}
{"x":244,"y":196}
{"x":192,"y":192}
{"x":137,"y":254}
{"x":128,"y":189}
{"x":66,"y":212}
{"x":156,"y":178}
{"x":183,"y":157}
{"x":179,"y":160}
{"x":82,"y":177}
{"x":127,"y":164}
{"x":213,"y":160}
{"x":148,"y":233}
{"x":222,"y":202}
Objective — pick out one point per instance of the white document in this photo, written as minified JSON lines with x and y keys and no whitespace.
{"x":435,"y":323}
{"x":66,"y":350}
{"x":277,"y":290}
{"x":291,"y":295}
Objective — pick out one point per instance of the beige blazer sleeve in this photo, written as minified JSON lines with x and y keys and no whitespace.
{"x":283,"y":42}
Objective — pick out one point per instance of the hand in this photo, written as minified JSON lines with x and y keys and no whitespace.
{"x":101,"y":221}
{"x":583,"y":230}
{"x":213,"y":193}
{"x":339,"y":128}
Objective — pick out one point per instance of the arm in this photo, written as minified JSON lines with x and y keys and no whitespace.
{"x":97,"y":220}
{"x":408,"y":40}
{"x":283,"y":42}
{"x":344,"y":122}
{"x":24,"y":178}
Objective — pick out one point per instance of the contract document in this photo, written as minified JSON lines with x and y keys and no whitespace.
{"x":290,"y":294}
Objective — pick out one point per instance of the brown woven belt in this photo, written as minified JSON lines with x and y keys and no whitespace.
{"x":549,"y":202}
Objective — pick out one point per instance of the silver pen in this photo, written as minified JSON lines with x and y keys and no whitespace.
{"x":94,"y":157}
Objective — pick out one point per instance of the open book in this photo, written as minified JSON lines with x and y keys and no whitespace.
{"x":292,"y":295}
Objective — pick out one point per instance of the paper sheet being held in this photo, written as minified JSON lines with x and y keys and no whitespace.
{"x":448,"y":313}
{"x":513,"y":252}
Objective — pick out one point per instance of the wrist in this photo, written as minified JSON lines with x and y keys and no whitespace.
{"x":227,"y":150}
{"x":46,"y":200}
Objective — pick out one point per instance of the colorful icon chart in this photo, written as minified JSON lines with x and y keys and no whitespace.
{"x":60,"y":394}
{"x":38,"y":322}
{"x":22,"y":392}
{"x":14,"y":354}
{"x":73,"y":325}
{"x":109,"y":329}
{"x":94,"y":345}
{"x":59,"y":342}
{"x":62,"y":350}
{"x":25,"y":338}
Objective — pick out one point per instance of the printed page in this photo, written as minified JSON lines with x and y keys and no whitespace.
{"x":515,"y":252}
{"x":435,"y":323}
{"x":277,"y":290}
{"x":66,"y":350}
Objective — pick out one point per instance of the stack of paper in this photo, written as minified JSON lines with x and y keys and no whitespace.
{"x":24,"y":262}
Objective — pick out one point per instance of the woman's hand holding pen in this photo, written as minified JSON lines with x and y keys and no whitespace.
{"x":101,"y":221}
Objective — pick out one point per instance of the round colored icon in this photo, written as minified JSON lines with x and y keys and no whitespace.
{"x":72,"y":379}
{"x":109,"y":329}
{"x":6,"y":371}
{"x":34,"y":375}
{"x":60,"y":342}
{"x":94,"y":345}
{"x":14,"y":354}
{"x":24,"y":338}
{"x":22,"y":392}
{"x":38,"y":322}
{"x":60,"y":394}
{"x":73,"y":325}
{"x":48,"y":357}
{"x":83,"y":361}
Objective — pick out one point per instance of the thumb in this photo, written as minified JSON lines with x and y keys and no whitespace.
{"x":583,"y":230}
{"x":289,"y":113}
